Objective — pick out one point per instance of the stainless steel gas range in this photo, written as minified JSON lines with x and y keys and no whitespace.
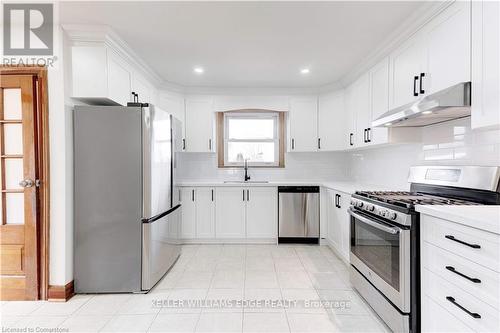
{"x":384,"y":247}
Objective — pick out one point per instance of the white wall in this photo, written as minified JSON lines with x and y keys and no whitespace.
{"x":450,"y":143}
{"x":61,"y":170}
{"x":298,"y":166}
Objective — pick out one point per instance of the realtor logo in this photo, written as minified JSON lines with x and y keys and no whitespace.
{"x":28,"y":29}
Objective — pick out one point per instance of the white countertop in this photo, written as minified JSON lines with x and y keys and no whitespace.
{"x":342,"y":186}
{"x":481,"y":217}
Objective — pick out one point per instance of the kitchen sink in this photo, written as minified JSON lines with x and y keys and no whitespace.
{"x":246,"y":182}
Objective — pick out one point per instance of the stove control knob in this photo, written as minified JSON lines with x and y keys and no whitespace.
{"x":353,"y":203}
{"x":382,"y":213}
{"x":359,"y":204}
{"x":371,"y":208}
{"x":393,"y":215}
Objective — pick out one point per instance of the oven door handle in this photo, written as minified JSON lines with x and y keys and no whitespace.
{"x":379,"y":226}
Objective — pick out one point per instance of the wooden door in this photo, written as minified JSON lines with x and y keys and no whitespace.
{"x":18,"y":182}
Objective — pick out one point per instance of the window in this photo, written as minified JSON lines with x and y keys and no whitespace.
{"x":250,"y":135}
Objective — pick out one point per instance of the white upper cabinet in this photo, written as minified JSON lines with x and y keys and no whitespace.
{"x":406,"y":64}
{"x":379,"y":95}
{"x":142,"y":89}
{"x":303,"y":124}
{"x":448,"y":41}
{"x":99,"y":76}
{"x":332,"y":122}
{"x":435,"y":58}
{"x":350,"y":138}
{"x":361,"y":108}
{"x":102,"y":75}
{"x":199,"y":125}
{"x":485,"y":112}
{"x":118,"y":80}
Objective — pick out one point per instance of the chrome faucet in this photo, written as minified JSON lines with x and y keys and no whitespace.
{"x":245,"y":166}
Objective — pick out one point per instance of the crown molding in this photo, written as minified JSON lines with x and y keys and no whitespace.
{"x":83,"y":34}
{"x":104,"y":34}
{"x":410,"y":27}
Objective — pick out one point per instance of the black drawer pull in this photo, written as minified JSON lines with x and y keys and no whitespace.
{"x":452,"y":269}
{"x":474,"y":246}
{"x":472,"y":314}
{"x":415,"y":79}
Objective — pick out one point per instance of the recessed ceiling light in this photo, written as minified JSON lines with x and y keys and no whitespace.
{"x":427,"y":112}
{"x":199,"y":70}
{"x":305,"y":71}
{"x":388,"y":124}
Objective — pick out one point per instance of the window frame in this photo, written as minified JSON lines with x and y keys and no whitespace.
{"x":278,"y":134}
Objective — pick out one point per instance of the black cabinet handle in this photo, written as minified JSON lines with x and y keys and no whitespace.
{"x":415,"y":93}
{"x":248,"y":195}
{"x":364,"y":135}
{"x":368,"y":136}
{"x":212,"y":195}
{"x":452,"y":269}
{"x":210,"y":144}
{"x":452,"y":238}
{"x":319,"y":143}
{"x":183,"y":144}
{"x":472,"y":314}
{"x":422,"y":91}
{"x":336,"y":205}
{"x":192,"y":195}
{"x":243,"y":195}
{"x":293,"y":144}
{"x":350,"y":139}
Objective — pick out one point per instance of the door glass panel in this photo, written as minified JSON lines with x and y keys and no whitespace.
{"x":13,"y":173}
{"x":14,"y":206}
{"x":13,"y":138}
{"x":12,"y":104}
{"x":378,"y":250}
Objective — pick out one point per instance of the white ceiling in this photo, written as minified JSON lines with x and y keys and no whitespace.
{"x":247,"y":44}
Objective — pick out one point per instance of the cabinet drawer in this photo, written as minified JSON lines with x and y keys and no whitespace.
{"x":458,"y":302}
{"x":479,"y":246}
{"x":469,"y":276}
{"x":436,"y":319}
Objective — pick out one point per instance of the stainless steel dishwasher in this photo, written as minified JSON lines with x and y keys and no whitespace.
{"x":298,"y":218}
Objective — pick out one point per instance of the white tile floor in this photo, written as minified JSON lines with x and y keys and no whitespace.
{"x":215,"y":273}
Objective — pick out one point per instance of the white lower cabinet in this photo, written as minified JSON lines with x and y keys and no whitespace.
{"x":237,"y":213}
{"x":261,"y":212}
{"x":205,"y":212}
{"x":459,"y":277}
{"x":338,"y":222}
{"x":188,"y":225}
{"x":230,"y":212}
{"x":198,"y":212}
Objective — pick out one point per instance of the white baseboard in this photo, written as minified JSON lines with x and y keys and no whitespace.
{"x":230,"y":241}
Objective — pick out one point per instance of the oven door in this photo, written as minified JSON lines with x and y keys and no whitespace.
{"x":380,"y":251}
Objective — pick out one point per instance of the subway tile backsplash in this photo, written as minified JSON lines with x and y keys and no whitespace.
{"x":452,"y":143}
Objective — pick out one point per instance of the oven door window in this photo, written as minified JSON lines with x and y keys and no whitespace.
{"x":377,"y":249}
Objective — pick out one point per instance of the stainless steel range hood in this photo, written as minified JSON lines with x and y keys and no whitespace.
{"x":448,"y":104}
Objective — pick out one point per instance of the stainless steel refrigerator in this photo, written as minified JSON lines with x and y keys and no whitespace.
{"x":127,"y":211}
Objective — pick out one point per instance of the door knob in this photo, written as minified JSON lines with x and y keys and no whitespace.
{"x":26,"y":183}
